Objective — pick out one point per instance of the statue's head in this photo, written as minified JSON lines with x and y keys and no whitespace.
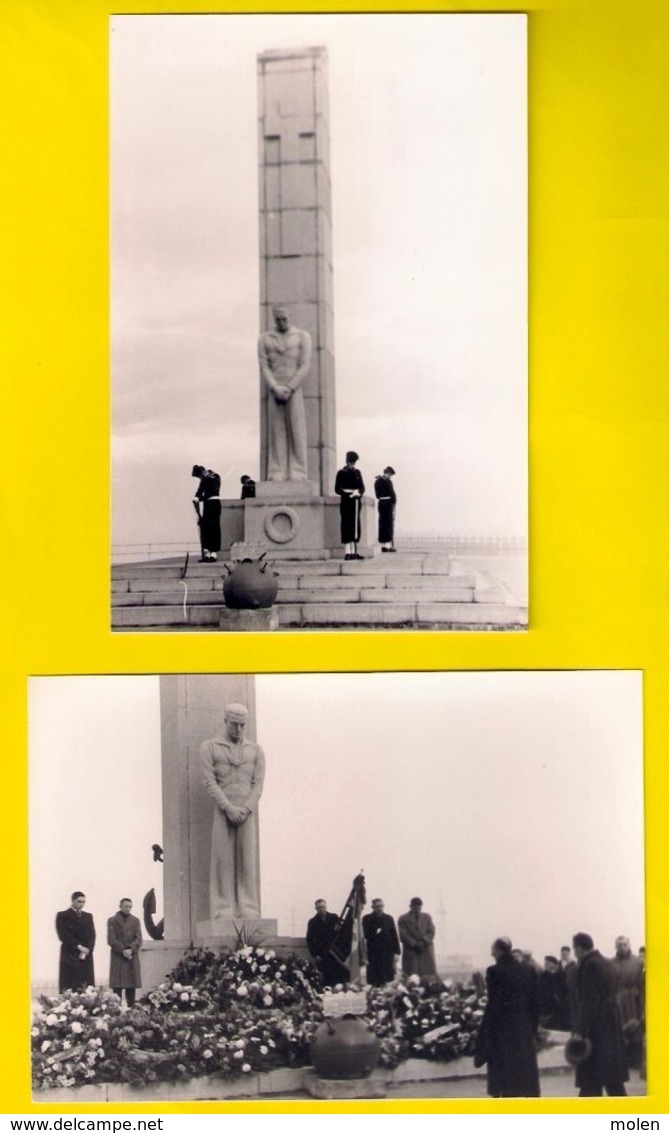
{"x":236,"y":718}
{"x":281,"y":317}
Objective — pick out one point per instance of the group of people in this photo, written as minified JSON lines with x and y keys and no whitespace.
{"x":76,"y":932}
{"x":600,"y":1001}
{"x":350,"y":487}
{"x":412,"y":938}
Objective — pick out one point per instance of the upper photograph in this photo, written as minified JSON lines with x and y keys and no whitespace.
{"x":319,"y":322}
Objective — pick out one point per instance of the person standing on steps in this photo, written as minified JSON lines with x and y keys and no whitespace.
{"x":207,"y":504}
{"x":350,"y":488}
{"x":384,"y":491}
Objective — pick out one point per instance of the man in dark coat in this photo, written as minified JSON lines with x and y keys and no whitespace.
{"x":124,"y":937}
{"x":350,"y":488}
{"x":321,"y":931}
{"x":553,"y":1006}
{"x":386,"y":499}
{"x":598,"y":1021}
{"x":76,"y":933}
{"x":248,"y":488}
{"x":383,"y":944}
{"x":506,"y":1039}
{"x":207,"y":504}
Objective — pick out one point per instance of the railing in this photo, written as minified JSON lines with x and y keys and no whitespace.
{"x":457,"y":544}
{"x":145,"y":552}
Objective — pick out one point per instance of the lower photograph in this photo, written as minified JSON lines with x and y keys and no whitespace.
{"x":337,"y":886}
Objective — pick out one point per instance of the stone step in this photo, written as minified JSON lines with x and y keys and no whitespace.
{"x":336,"y":613}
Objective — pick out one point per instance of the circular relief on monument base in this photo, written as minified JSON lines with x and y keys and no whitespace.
{"x":282,"y":524}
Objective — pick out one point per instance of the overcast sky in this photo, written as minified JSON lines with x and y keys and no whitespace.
{"x":512,"y":803}
{"x":428,"y":127}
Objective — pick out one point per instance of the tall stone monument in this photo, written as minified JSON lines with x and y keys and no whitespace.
{"x":296,"y":233}
{"x":293,"y":518}
{"x":192,"y":711}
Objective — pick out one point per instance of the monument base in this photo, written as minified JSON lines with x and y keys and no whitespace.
{"x":336,"y":1089}
{"x":255,"y":930}
{"x":293,"y":523}
{"x":245,"y":621}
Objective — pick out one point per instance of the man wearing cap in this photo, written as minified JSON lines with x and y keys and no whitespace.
{"x":350,"y":488}
{"x":233,"y":770}
{"x":248,"y":488}
{"x":598,"y":1021}
{"x":385,"y":495}
{"x":417,"y":932}
{"x":76,"y":933}
{"x":284,"y":355}
{"x":207,"y":504}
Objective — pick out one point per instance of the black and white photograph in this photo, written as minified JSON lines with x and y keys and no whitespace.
{"x":332,"y":886}
{"x":318,"y":254}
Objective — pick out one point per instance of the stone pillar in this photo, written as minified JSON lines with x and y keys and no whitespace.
{"x":191,"y":711}
{"x":296,"y":234}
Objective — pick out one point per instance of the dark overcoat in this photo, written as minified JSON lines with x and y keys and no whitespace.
{"x":385,"y":493}
{"x":599,"y":1020}
{"x":124,"y":932}
{"x":383,"y":945}
{"x":75,"y":928}
{"x":321,"y":932}
{"x":509,"y":1028}
{"x":348,"y":479}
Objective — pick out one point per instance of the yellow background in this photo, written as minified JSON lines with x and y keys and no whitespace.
{"x":599,"y":418}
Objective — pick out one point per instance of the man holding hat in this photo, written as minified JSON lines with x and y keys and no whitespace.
{"x":350,"y":488}
{"x":385,"y":495}
{"x":417,"y":932}
{"x":603,"y":1064}
{"x":233,"y":770}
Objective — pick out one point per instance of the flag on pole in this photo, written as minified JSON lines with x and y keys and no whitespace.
{"x":348,"y":946}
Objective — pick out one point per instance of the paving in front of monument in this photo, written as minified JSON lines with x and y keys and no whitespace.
{"x":554,"y":1084}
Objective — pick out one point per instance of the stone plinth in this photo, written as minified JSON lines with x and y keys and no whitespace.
{"x":288,"y":526}
{"x":339,"y":1089}
{"x":285,"y":491}
{"x":226,"y":929}
{"x":248,"y":621}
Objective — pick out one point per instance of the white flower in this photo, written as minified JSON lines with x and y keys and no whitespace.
{"x":45,"y":1045}
{"x":184,"y":996}
{"x":246,"y":1067}
{"x":34,"y":1032}
{"x":267,"y":1000}
{"x":77,"y":1028}
{"x":413,"y":981}
{"x":51,"y":1020}
{"x":269,"y":955}
{"x":207,"y":1054}
{"x":239,"y":1043}
{"x":238,"y":1054}
{"x":260,"y":951}
{"x":263,"y":1049}
{"x":242,"y":990}
{"x":67,"y":1044}
{"x":176,"y":987}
